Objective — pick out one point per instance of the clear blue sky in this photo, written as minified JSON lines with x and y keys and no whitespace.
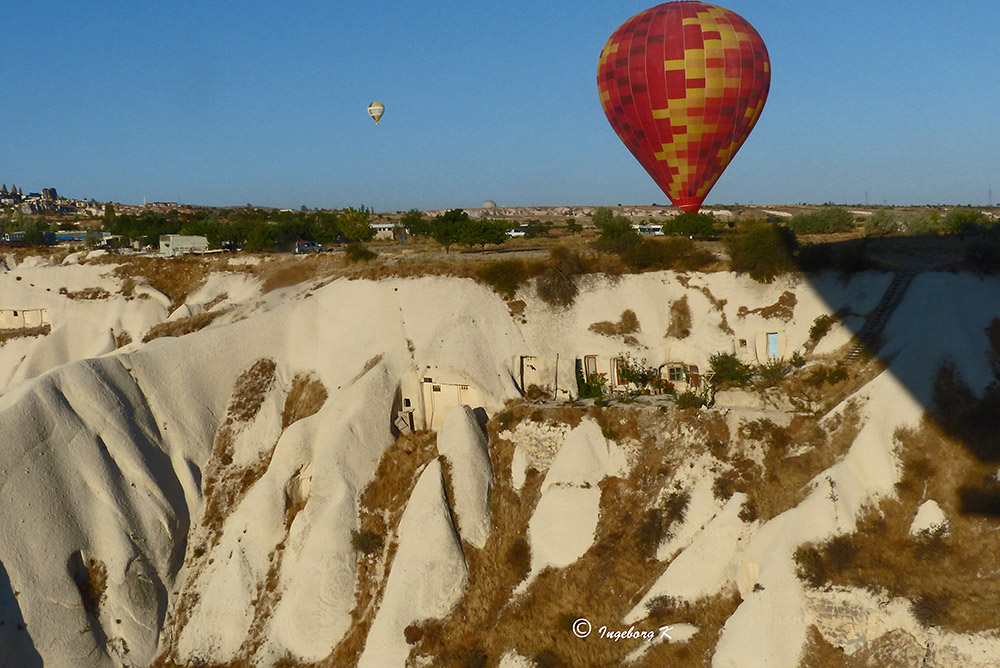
{"x":228,"y":103}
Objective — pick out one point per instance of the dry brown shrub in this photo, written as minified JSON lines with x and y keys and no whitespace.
{"x":85,"y":294}
{"x":794,"y":455}
{"x":381,"y":508}
{"x":182,"y":326}
{"x":369,"y":365}
{"x":250,"y":390}
{"x":819,"y":653}
{"x":603,"y":585}
{"x":93,"y":586}
{"x":628,"y":323}
{"x":295,"y":271}
{"x":783,"y":309}
{"x":27,"y":333}
{"x":305,"y":398}
{"x":680,"y":319}
{"x":948,"y":577}
{"x":174,"y":277}
{"x":122,"y":339}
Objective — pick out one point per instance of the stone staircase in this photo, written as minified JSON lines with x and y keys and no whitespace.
{"x":878,"y":318}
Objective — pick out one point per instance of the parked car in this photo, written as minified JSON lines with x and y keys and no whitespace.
{"x":303,"y":247}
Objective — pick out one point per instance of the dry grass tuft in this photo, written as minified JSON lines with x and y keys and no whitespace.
{"x":174,"y":277}
{"x":626,"y":325}
{"x":305,"y":398}
{"x":122,"y":339}
{"x":602,"y":586}
{"x":793,"y":456}
{"x":948,"y":577}
{"x":85,"y":294}
{"x":250,"y":391}
{"x":182,"y":326}
{"x":680,"y":319}
{"x":382,"y":505}
{"x":93,"y":586}
{"x":27,"y":333}
{"x":783,"y":309}
{"x":295,"y":271}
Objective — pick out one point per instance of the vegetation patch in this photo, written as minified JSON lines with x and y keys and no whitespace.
{"x":679,"y":254}
{"x":556,"y":285}
{"x":627,"y":325}
{"x":250,"y":390}
{"x":948,"y":576}
{"x":680,"y":319}
{"x":86,"y":294}
{"x":307,"y":396}
{"x":25,"y":333}
{"x":507,"y":276}
{"x":762,"y":250}
{"x":783,"y":309}
{"x":381,"y":507}
{"x":91,"y":579}
{"x":182,"y":326}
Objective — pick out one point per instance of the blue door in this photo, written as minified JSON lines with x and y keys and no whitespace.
{"x":772,"y":344}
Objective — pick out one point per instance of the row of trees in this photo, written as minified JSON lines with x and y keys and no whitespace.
{"x":254,"y":229}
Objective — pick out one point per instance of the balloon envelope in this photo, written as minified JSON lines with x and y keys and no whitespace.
{"x":375,"y":110}
{"x":683,"y":84}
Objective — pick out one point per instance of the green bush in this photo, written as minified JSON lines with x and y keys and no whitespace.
{"x":659,"y":254}
{"x":730,"y":371}
{"x":366,"y":541}
{"x":771,"y":372}
{"x":882,"y":223}
{"x":689,"y":399}
{"x":592,"y":386}
{"x":505,"y":276}
{"x":358,"y":253}
{"x":615,"y":233}
{"x":926,"y":223}
{"x":762,"y":250}
{"x":963,"y":221}
{"x":810,"y":566}
{"x":556,"y":286}
{"x":821,"y":325}
{"x":691,"y":224}
{"x":825,"y":221}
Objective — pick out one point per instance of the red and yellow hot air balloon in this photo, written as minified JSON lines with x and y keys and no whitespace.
{"x":683,"y":84}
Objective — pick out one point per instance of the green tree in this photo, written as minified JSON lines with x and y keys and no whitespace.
{"x":355,"y":224}
{"x":962,"y":221}
{"x":615,"y":233}
{"x":482,"y":232}
{"x":572,"y":226}
{"x":881,"y":223}
{"x":415,"y":223}
{"x":763,"y":250}
{"x":258,"y":235}
{"x":824,"y":221}
{"x":109,"y":215}
{"x":602,"y":216}
{"x":925,"y":223}
{"x":691,"y":225}
{"x":450,"y":228}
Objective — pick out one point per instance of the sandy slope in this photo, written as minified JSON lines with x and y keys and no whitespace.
{"x":104,"y":455}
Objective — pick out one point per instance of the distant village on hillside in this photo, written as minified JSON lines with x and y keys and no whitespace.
{"x":47,"y":201}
